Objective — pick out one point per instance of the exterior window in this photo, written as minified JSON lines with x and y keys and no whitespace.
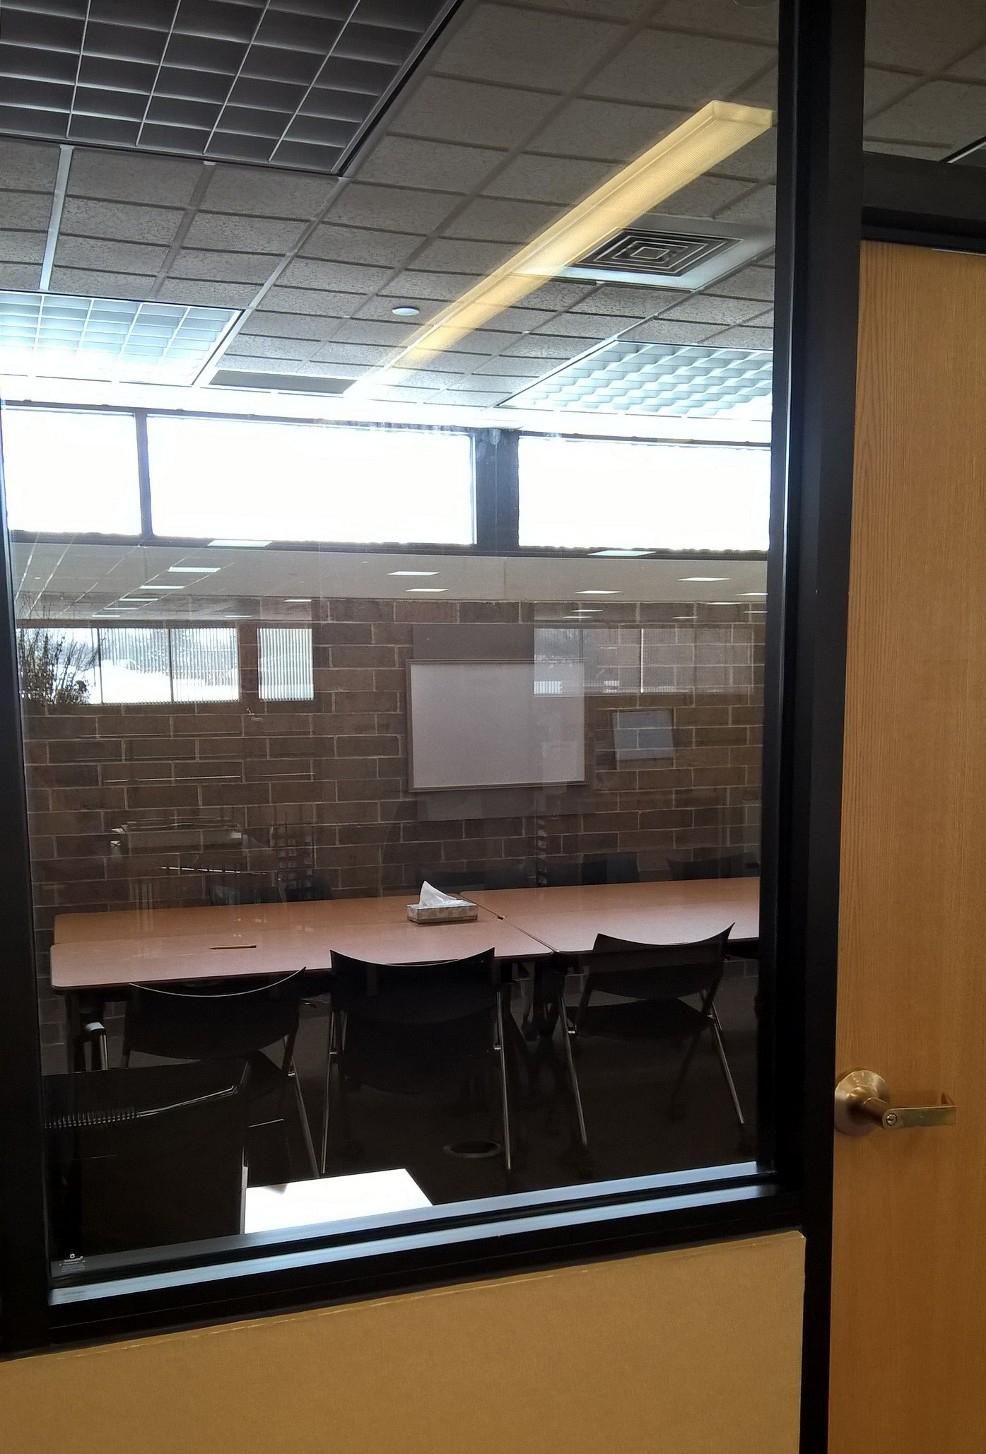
{"x":71,"y":471}
{"x":285,"y":661}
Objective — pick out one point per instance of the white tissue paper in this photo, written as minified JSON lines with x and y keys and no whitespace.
{"x":432,"y":898}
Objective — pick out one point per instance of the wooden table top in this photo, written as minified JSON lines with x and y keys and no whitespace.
{"x":102,"y":964}
{"x":569,"y":917}
{"x":244,"y":919}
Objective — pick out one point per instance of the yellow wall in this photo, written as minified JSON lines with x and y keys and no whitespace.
{"x":670,"y":1353}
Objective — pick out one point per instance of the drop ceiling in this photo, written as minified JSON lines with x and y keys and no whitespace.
{"x":515,"y":112}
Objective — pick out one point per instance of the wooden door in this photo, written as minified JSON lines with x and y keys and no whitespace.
{"x":909,"y":1277}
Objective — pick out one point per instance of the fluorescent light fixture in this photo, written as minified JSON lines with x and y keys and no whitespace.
{"x":702,"y":142}
{"x":159,"y":586}
{"x":759,"y":594}
{"x":718,"y":603}
{"x":194,"y":570}
{"x":594,"y":592}
{"x":588,"y":611}
{"x":297,"y":600}
{"x":626,"y":553}
{"x":426,"y":590}
{"x":412,"y":573}
{"x":704,"y":578}
{"x":246,"y":544}
{"x":144,"y":601}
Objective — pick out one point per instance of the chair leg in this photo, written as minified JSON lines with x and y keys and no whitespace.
{"x":504,"y":1089}
{"x":727,"y":1073}
{"x":679,"y":1079}
{"x":306,"y":1129}
{"x":573,"y":1079}
{"x":330,"y":1051}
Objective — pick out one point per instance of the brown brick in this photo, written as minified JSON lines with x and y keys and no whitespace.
{"x":51,"y":725}
{"x":367,"y":789}
{"x":198,"y":724}
{"x":343,"y":679}
{"x":86,"y":750}
{"x":233,"y":795}
{"x":364,"y":656}
{"x":423,"y":612}
{"x":230,"y":747}
{"x":367,"y":746}
{"x":162,"y":797}
{"x":269,"y":724}
{"x":341,"y":609}
{"x":167,"y":749}
{"x":301,"y":746}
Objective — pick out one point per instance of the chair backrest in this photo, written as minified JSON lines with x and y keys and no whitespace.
{"x":406,"y":1024}
{"x":145,"y":1157}
{"x":213,"y":1019}
{"x":656,"y":971}
{"x":724,"y":865}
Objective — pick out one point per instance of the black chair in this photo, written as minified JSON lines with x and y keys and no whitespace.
{"x":608,"y":868}
{"x":216,"y":1020}
{"x":724,"y":865}
{"x":409,"y":1029}
{"x":145,"y":1157}
{"x":651,"y":983}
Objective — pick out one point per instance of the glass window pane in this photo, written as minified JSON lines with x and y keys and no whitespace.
{"x":134,"y":664}
{"x":58,"y":665}
{"x":204,"y":664}
{"x":248,"y":480}
{"x":68,"y":472}
{"x":585,"y":493}
{"x":285,"y":663}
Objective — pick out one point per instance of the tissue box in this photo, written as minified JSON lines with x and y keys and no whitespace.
{"x":442,"y":913}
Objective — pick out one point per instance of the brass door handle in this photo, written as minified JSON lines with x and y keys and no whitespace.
{"x":863,"y":1103}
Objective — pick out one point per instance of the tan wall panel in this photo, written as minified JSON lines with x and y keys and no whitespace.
{"x":691,"y":1352}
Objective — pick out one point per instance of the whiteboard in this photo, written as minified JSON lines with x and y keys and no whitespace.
{"x":482,"y":724}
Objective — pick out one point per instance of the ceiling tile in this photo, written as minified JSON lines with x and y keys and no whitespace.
{"x":883,"y":87}
{"x":28,"y":166}
{"x":605,"y":130}
{"x":705,"y":308}
{"x":256,"y":347}
{"x":722,"y":17}
{"x":120,"y":220}
{"x":605,"y":9}
{"x":399,"y":208}
{"x":921,"y":37}
{"x":513,"y":367}
{"x":748,"y":283}
{"x":522,"y":320}
{"x":24,"y":277}
{"x":447,"y":254}
{"x":556,"y":295}
{"x":909,"y":149}
{"x":366,"y":330}
{"x":265,"y":192}
{"x":352,"y":353}
{"x":382,"y":309}
{"x":758,"y":206}
{"x":941,"y":113}
{"x":548,"y":179}
{"x":448,"y":110}
{"x":126,"y":177}
{"x":748,"y":337}
{"x":972,"y":67}
{"x":588,"y":325}
{"x":223,"y":267}
{"x":755,"y":161}
{"x":483,"y":340}
{"x":439,"y":287}
{"x":335,"y":277}
{"x":27,"y":210}
{"x":758,"y":90}
{"x":543,"y":345}
{"x":323,"y":302}
{"x":671,"y":69}
{"x":630,"y":302}
{"x":265,"y":324}
{"x":208,"y":294}
{"x":21,"y":247}
{"x":119,"y":257}
{"x":243,"y":233}
{"x":402,"y":159}
{"x":501,"y":220}
{"x":666,"y":330}
{"x":704,"y":197}
{"x":99,"y":284}
{"x":360,"y":245}
{"x":517,"y":47}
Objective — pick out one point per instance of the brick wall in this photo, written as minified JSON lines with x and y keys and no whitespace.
{"x":270,"y":787}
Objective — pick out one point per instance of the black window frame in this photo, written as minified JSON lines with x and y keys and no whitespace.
{"x":820,"y":171}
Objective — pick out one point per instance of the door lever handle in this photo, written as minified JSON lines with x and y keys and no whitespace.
{"x":863,"y":1103}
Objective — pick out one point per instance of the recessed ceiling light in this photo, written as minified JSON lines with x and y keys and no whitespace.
{"x":704,"y":578}
{"x":244,"y":544}
{"x":759,"y":594}
{"x":405,"y":310}
{"x":595,"y":592}
{"x":194,"y":570}
{"x":425,"y":590}
{"x":412,"y":573}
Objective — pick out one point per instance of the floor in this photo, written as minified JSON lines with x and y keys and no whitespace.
{"x":625,"y":1090}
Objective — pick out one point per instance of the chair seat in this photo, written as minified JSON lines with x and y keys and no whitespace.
{"x":641,"y":1020}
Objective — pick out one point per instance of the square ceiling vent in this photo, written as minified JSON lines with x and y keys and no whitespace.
{"x":294,"y":83}
{"x":672,"y":252}
{"x":61,"y":336}
{"x":686,"y":382}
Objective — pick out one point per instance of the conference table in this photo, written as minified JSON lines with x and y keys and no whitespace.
{"x":103,"y":951}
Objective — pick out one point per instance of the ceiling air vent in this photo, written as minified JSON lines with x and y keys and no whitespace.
{"x":673,"y":252}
